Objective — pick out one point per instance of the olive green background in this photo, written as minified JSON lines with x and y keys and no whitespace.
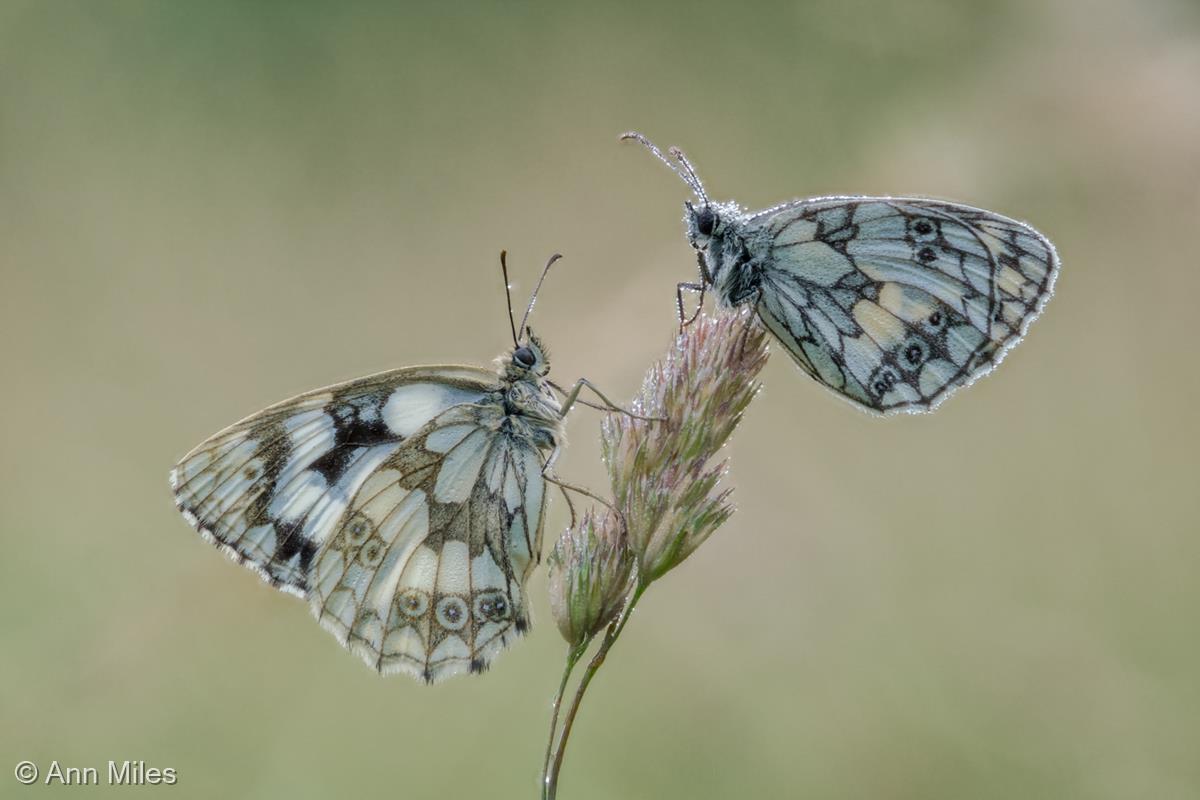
{"x":206,"y":207}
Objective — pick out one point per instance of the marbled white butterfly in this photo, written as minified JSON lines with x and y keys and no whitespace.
{"x":406,"y":507}
{"x":893,"y":303}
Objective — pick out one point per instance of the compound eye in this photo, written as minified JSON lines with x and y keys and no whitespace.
{"x":524,"y":357}
{"x":706,"y":221}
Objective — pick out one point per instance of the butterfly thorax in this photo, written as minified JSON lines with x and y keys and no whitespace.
{"x":726,"y":253}
{"x":532,"y":412}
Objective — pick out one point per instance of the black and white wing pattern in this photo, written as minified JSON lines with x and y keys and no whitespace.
{"x":895,"y":303}
{"x":426,"y":569}
{"x":394,"y":504}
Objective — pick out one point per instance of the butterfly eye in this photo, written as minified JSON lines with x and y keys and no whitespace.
{"x":524,"y":357}
{"x":706,"y":221}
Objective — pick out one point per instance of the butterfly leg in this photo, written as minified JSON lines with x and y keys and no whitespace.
{"x":552,"y":477}
{"x":564,"y":486}
{"x":572,"y":397}
{"x":691,"y":287}
{"x":567,"y":497}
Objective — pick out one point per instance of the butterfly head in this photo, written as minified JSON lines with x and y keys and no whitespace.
{"x":528,"y":361}
{"x":704,"y":222}
{"x":704,"y":219}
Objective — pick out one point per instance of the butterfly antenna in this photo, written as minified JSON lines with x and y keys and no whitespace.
{"x":685,"y":172}
{"x":538,"y":288}
{"x":689,"y":171}
{"x":508,"y":295}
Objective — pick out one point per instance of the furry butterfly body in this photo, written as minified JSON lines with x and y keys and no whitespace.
{"x":893,"y":303}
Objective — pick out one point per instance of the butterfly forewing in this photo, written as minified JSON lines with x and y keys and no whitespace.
{"x":895,"y":303}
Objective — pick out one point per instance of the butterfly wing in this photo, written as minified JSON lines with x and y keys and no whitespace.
{"x":895,"y":303}
{"x":393,"y":503}
{"x":268,"y":490}
{"x":426,"y":569}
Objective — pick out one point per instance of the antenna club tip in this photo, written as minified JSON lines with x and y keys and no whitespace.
{"x":629,"y":135}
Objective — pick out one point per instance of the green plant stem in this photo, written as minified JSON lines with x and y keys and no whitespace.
{"x":550,"y":776}
{"x":573,"y":656}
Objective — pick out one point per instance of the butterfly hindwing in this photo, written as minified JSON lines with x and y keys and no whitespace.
{"x":895,"y":303}
{"x":425,"y":573}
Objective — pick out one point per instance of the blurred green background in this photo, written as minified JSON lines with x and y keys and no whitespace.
{"x":206,"y":207}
